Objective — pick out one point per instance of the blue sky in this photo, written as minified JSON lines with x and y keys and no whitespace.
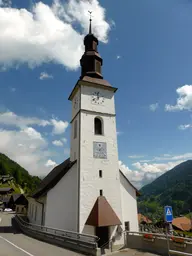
{"x":147,"y":51}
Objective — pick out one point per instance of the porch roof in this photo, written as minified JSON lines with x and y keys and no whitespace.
{"x":102,"y":214}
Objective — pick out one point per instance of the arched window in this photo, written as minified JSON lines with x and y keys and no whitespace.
{"x":98,"y":126}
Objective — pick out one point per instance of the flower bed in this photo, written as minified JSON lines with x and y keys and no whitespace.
{"x":178,"y":241}
{"x":149,"y":237}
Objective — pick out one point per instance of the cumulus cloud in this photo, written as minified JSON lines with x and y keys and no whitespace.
{"x":9,"y":118}
{"x":5,"y":3}
{"x":59,"y":126}
{"x":45,"y":75}
{"x":144,"y":173}
{"x":50,"y":163}
{"x":57,"y":143}
{"x":154,"y":107}
{"x":22,"y":142}
{"x":27,"y":147}
{"x":48,"y":33}
{"x":184,"y":100}
{"x":185,"y":126}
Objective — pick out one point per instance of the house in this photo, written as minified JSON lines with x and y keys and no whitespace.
{"x":5,"y":192}
{"x":88,"y":193}
{"x":182,"y":224}
{"x":18,"y":203}
{"x":143,"y":219}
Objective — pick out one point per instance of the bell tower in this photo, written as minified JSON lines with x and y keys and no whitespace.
{"x":94,"y":145}
{"x":91,"y":61}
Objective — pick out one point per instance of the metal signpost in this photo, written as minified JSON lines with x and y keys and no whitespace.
{"x":168,"y":217}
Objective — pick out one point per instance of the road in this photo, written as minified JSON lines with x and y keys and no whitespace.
{"x":132,"y":252}
{"x":17,"y":244}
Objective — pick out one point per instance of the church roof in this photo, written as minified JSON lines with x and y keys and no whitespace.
{"x":102,"y":214}
{"x":57,"y":174}
{"x":137,"y":191}
{"x":91,"y":81}
{"x":53,"y":177}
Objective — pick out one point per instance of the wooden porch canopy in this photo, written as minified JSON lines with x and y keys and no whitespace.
{"x":102,"y":214}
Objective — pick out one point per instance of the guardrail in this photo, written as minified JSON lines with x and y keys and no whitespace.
{"x":86,"y":244}
{"x":158,"y":243}
{"x":158,"y":235}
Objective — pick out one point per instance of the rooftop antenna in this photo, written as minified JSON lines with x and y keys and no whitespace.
{"x":90,"y":20}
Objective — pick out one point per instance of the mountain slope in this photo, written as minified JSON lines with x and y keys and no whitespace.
{"x":172,"y":188}
{"x":21,"y":177}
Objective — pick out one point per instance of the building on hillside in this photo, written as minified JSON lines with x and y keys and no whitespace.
{"x":5,"y":192}
{"x":143,"y":219}
{"x":182,"y":224}
{"x":4,"y":203}
{"x":6,"y":178}
{"x":18,"y":203}
{"x":88,"y":193}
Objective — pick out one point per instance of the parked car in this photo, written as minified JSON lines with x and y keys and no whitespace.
{"x":8,"y":210}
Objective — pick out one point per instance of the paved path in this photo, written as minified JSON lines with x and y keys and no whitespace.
{"x":131,"y":252}
{"x":12,"y":243}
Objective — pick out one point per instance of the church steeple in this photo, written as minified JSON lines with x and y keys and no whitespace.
{"x":91,"y":61}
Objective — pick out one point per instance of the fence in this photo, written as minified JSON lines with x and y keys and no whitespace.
{"x":157,"y":243}
{"x":82,"y":243}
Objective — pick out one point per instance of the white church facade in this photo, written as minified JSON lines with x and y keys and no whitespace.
{"x":88,"y":192}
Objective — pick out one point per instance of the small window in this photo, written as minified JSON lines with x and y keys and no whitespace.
{"x":98,"y":126}
{"x":75,"y":129}
{"x":98,"y":66}
{"x":101,"y":192}
{"x":100,"y":174}
{"x":127,"y":227}
{"x":35,"y":213}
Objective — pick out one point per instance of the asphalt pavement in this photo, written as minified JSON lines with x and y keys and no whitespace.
{"x":13,"y":243}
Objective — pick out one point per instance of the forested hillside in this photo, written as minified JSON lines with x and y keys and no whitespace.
{"x":172,"y":188}
{"x":21,"y":176}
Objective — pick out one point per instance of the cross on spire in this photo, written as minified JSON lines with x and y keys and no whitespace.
{"x":90,"y":20}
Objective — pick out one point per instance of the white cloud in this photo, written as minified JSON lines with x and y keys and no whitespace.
{"x":119,"y":133}
{"x":11,"y":119}
{"x":27,"y":147}
{"x":25,"y":144}
{"x":5,"y":3}
{"x":50,"y":163}
{"x":48,"y":34}
{"x":12,"y":89}
{"x":64,"y":140}
{"x":135,"y":156}
{"x":185,"y":126}
{"x":45,"y":75}
{"x":144,"y":173}
{"x":184,"y":100}
{"x":57,"y":143}
{"x":59,"y":126}
{"x":118,"y":57}
{"x":154,"y":107}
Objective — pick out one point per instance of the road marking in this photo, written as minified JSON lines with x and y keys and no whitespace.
{"x":16,"y":246}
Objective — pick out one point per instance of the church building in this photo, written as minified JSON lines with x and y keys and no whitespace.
{"x":88,"y":193}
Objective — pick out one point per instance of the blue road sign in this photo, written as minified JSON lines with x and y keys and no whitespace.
{"x":168,"y":213}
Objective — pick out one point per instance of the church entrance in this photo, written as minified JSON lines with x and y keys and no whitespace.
{"x":103,"y":234}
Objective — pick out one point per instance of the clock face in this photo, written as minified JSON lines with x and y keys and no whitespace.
{"x":97,"y":98}
{"x":75,"y":103}
{"x":100,"y":150}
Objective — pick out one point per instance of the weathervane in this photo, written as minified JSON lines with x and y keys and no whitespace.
{"x":90,"y":30}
